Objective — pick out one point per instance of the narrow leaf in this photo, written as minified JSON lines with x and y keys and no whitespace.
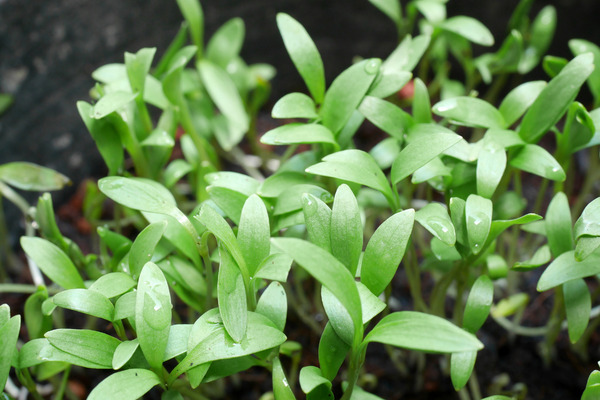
{"x":33,"y":177}
{"x":232,"y":297}
{"x":558,"y":224}
{"x":470,"y":111}
{"x":297,"y":133}
{"x":578,"y":305}
{"x":491,"y":163}
{"x":518,"y":100}
{"x":434,"y":217}
{"x":89,"y":345}
{"x":143,"y":246}
{"x":470,"y":29}
{"x":478,"y":214}
{"x":254,"y":233}
{"x":565,"y":268}
{"x":130,"y":384}
{"x":86,"y":301}
{"x":346,"y":228}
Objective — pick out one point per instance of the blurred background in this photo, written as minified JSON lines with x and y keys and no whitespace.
{"x":48,"y":49}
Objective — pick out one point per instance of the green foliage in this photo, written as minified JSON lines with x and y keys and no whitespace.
{"x":197,"y":271}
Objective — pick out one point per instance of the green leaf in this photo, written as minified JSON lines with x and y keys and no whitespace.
{"x":330,"y":272}
{"x":421,"y":107}
{"x":291,"y":199}
{"x":33,"y":177}
{"x":254,"y":233}
{"x":226,"y":43}
{"x":588,"y":224}
{"x":461,"y":367}
{"x":176,"y":170}
{"x":580,"y":46}
{"x":36,"y":322}
{"x":223,"y":92}
{"x":539,"y":258}
{"x":479,"y":303}
{"x":86,"y":301}
{"x":192,"y":12}
{"x":434,"y":217}
{"x":39,"y":351}
{"x":232,"y":297}
{"x":559,"y":225}
{"x":178,"y":340}
{"x":89,"y":345}
{"x":273,"y":304}
{"x":275,"y":267}
{"x":221,"y":229}
{"x":138,"y":65}
{"x":578,"y":305}
{"x":281,"y":387}
{"x":555,"y":98}
{"x":153,"y":314}
{"x":540,"y":37}
{"x":518,"y":100}
{"x":478,"y":214}
{"x":347,"y":92}
{"x":388,"y":82}
{"x":565,"y":268}
{"x":279,"y":182}
{"x":218,"y":345}
{"x":296,"y":133}
{"x":317,"y":218}
{"x":111,"y":102}
{"x":130,"y":384}
{"x":386,"y":116}
{"x":143,"y":246}
{"x":234,"y":181}
{"x":391,"y":8}
{"x":429,"y":142}
{"x":52,"y":261}
{"x":346,"y":228}
{"x":9,"y":334}
{"x":113,"y":284}
{"x":469,"y":28}
{"x":124,"y":352}
{"x":536,"y":160}
{"x":470,"y":111}
{"x":295,"y":105}
{"x":314,"y":384}
{"x":500,"y":226}
{"x":304,"y":55}
{"x":586,"y":246}
{"x":354,"y":166}
{"x":433,"y":11}
{"x":138,"y":194}
{"x":332,"y":352}
{"x":229,"y":201}
{"x":385,"y":152}
{"x":423,"y":332}
{"x":178,"y":235}
{"x":553,"y":65}
{"x":491,"y":163}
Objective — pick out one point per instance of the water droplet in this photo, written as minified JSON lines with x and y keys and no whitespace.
{"x":476,"y":245}
{"x":555,"y":169}
{"x":149,"y":255}
{"x":285,"y":382}
{"x":372,"y":66}
{"x":446,"y":105}
{"x":44,"y":359}
{"x":477,"y":221}
{"x":157,"y":307}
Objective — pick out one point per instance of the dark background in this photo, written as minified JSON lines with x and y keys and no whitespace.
{"x":48,"y":50}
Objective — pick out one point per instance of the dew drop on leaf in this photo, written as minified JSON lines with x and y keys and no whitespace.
{"x":372,"y":66}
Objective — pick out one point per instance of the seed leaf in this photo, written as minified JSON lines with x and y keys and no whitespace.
{"x":391,"y":8}
{"x":555,"y":98}
{"x":478,"y":214}
{"x":578,"y":305}
{"x":580,"y":46}
{"x":296,"y":133}
{"x":469,"y":28}
{"x":470,"y":111}
{"x":178,"y":340}
{"x":254,"y":233}
{"x":124,"y":352}
{"x":295,"y":105}
{"x":111,"y":102}
{"x":423,"y":332}
{"x":138,"y":194}
{"x":86,"y":301}
{"x":491,"y":163}
{"x":226,"y":43}
{"x":354,"y":166}
{"x":143,"y":246}
{"x":89,"y":345}
{"x":52,"y":261}
{"x":388,"y":82}
{"x":192,"y":12}
{"x":314,"y":384}
{"x":9,"y":334}
{"x":559,"y":225}
{"x":540,"y":257}
{"x":347,"y":92}
{"x":585,"y":246}
{"x":500,"y":226}
{"x":565,"y":268}
{"x":281,"y":387}
{"x":291,"y":199}
{"x":536,"y":160}
{"x":223,"y":92}
{"x":434,"y":217}
{"x":229,"y":201}
{"x":461,"y":367}
{"x":218,"y":345}
{"x":39,"y":351}
{"x":317,"y":218}
{"x":518,"y":100}
{"x":273,"y":304}
{"x":153,"y":314}
{"x":138,"y":65}
{"x":33,"y":177}
{"x":232,"y":297}
{"x":330,"y":272}
{"x":304,"y":55}
{"x":346,"y":228}
{"x":588,"y":224}
{"x":421,"y":103}
{"x":234,"y":181}
{"x":478,"y":304}
{"x":429,"y":142}
{"x":130,"y":384}
{"x":332,"y":352}
{"x":276,"y":267}
{"x":541,"y":34}
{"x":386,"y":116}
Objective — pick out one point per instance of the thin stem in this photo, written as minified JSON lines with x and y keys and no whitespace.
{"x":474,"y":386}
{"x":519,"y":329}
{"x":411,"y":267}
{"x":208,"y":270}
{"x":63,"y":384}
{"x":357,"y":358}
{"x":23,"y":288}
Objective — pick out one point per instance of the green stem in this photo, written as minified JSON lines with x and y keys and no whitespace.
{"x":474,"y":386}
{"x":414,"y":278}
{"x":23,"y":288}
{"x":208,"y":269}
{"x":554,"y":324}
{"x":519,"y":329}
{"x":63,"y":384}
{"x":357,"y":358}
{"x":27,"y":381}
{"x":591,"y":177}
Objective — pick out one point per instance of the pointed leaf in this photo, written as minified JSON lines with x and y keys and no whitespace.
{"x":124,"y":352}
{"x":130,"y":384}
{"x":332,"y":352}
{"x":565,"y":268}
{"x":111,"y":102}
{"x":296,"y":133}
{"x":470,"y":111}
{"x":276,"y":267}
{"x":518,"y":100}
{"x":273,"y":304}
{"x":461,"y":367}
{"x":86,"y":301}
{"x":588,"y":224}
{"x":555,"y":98}
{"x":559,"y":225}
{"x":578,"y":305}
{"x":29,"y":176}
{"x":386,"y":116}
{"x":143,"y":246}
{"x":534,"y":159}
{"x":304,"y":55}
{"x":226,"y":43}
{"x":391,"y":8}
{"x":52,"y":261}
{"x":314,"y":384}
{"x":192,"y":12}
{"x":254,"y":233}
{"x":434,"y":217}
{"x":232,"y":297}
{"x":423,"y":332}
{"x":9,"y":334}
{"x":281,"y":387}
{"x":470,"y":29}
{"x":346,"y":228}
{"x":90,"y":345}
{"x":421,"y":107}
